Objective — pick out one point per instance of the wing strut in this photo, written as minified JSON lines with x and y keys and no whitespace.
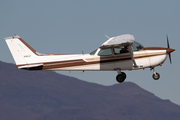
{"x":132,"y":57}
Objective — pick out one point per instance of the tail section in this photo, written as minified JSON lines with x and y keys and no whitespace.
{"x":24,"y":55}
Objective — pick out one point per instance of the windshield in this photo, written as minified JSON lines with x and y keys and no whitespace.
{"x":93,"y":52}
{"x":137,"y":46}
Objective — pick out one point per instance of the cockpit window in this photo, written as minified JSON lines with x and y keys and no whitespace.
{"x":118,"y":50}
{"x":93,"y":52}
{"x":105,"y":52}
{"x":121,"y":50}
{"x":137,"y":46}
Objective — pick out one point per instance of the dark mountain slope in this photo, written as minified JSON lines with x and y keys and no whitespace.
{"x":45,"y":95}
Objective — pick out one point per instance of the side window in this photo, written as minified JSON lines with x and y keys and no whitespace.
{"x":121,"y":50}
{"x":105,"y":52}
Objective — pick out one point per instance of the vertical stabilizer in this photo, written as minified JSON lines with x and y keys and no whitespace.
{"x":22,"y":53}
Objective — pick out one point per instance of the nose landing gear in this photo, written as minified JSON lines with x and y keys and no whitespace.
{"x":155,"y":75}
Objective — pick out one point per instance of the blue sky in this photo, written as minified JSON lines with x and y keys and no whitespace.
{"x":68,"y":26}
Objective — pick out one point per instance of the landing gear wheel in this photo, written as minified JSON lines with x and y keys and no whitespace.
{"x":121,"y":77}
{"x":156,"y":77}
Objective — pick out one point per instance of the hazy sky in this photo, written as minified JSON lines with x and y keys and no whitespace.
{"x":73,"y":26}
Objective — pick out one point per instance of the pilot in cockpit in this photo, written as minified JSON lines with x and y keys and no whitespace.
{"x":124,"y":50}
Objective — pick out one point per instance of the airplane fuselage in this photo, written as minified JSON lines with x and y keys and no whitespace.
{"x":145,"y":58}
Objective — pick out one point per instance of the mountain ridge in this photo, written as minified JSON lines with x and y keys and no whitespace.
{"x":44,"y":95}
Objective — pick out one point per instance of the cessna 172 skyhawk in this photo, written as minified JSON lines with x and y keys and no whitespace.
{"x":116,"y":54}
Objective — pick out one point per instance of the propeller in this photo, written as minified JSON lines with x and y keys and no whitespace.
{"x":169,"y":51}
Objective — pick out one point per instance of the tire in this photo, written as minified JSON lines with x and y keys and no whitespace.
{"x":156,"y":77}
{"x":121,"y":77}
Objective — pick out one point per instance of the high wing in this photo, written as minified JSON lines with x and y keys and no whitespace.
{"x":121,"y":40}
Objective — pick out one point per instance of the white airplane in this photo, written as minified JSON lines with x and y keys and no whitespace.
{"x":116,"y":54}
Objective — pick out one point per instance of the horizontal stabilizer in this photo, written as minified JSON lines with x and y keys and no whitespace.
{"x":31,"y":67}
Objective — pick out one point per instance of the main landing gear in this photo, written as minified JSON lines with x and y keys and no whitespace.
{"x":121,"y":76}
{"x":155,"y":75}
